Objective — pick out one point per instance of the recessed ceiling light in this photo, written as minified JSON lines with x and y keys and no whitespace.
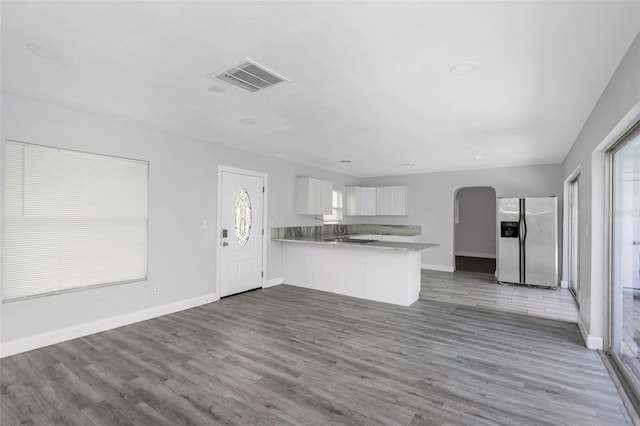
{"x":477,"y":157}
{"x":247,"y":121}
{"x":408,"y":165}
{"x":463,"y":68}
{"x":44,"y":51}
{"x":216,"y":89}
{"x":346,"y":161}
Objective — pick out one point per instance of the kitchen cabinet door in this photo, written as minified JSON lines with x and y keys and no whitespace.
{"x":383,"y":202}
{"x":313,"y":196}
{"x":368,"y":201}
{"x":391,"y":201}
{"x":326,"y":196}
{"x":360,"y":201}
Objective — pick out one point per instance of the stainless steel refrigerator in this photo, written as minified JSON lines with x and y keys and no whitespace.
{"x":528,"y":241}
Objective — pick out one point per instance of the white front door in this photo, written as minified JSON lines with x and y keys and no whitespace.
{"x":241,"y":219}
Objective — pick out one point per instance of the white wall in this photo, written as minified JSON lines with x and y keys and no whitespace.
{"x":183,"y":193}
{"x":430,"y":200}
{"x":475,"y":232}
{"x":616,"y":109}
{"x":183,"y":186}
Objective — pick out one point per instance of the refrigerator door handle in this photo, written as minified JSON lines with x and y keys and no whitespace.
{"x":522,"y":237}
{"x":521,"y":249}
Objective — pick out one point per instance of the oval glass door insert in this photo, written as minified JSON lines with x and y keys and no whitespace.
{"x":243,"y":217}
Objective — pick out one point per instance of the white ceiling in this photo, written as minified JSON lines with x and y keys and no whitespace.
{"x":370,"y":81}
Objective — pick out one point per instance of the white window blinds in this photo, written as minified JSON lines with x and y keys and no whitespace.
{"x":71,"y":220}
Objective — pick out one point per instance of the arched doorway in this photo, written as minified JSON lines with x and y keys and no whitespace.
{"x":475,"y":229}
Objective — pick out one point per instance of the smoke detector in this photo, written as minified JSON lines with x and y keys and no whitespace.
{"x":463,"y":68}
{"x":249,"y":76}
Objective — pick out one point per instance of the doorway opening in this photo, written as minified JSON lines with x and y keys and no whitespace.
{"x":475,"y":229}
{"x":573,"y":230}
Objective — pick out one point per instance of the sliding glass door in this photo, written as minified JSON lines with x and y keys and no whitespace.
{"x":625,"y":257}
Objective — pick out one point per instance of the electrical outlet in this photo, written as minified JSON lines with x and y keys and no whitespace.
{"x":205,"y":224}
{"x":156,"y":290}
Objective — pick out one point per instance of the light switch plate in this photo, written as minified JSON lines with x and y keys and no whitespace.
{"x":205,"y":224}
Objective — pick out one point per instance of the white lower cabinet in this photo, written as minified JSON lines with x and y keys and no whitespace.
{"x":383,"y":275}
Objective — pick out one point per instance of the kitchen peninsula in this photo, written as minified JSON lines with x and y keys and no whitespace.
{"x":374,"y":262}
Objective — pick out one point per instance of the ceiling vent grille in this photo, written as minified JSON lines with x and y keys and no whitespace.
{"x":248,"y":76}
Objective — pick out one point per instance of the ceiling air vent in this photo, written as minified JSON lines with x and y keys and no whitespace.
{"x":248,"y":76}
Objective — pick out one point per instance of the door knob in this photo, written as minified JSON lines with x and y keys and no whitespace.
{"x":224,"y":244}
{"x":636,"y":243}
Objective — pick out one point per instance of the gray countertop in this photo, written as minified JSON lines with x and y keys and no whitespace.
{"x":324,"y":239}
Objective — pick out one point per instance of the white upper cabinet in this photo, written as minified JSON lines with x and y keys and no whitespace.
{"x":391,"y":201}
{"x":360,"y":201}
{"x":313,"y":196}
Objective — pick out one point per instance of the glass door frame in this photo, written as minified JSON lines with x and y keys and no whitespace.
{"x":613,"y":305}
{"x":574,"y":237}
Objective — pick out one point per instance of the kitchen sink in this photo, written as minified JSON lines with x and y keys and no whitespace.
{"x":349,"y":240}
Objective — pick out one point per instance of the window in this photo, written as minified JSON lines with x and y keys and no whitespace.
{"x":71,"y":220}
{"x":336,"y":209}
{"x":243,"y":217}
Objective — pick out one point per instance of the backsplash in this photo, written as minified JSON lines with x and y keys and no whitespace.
{"x":330,"y":230}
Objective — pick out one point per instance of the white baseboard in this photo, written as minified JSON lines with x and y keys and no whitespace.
{"x":473,"y":254}
{"x":273,"y":282}
{"x":591,"y":341}
{"x":595,"y":342}
{"x":442,"y":268}
{"x":564,"y":284}
{"x":17,"y":346}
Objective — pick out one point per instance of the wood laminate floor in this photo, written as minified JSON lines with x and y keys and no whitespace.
{"x":481,"y":290}
{"x":287,"y":355}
